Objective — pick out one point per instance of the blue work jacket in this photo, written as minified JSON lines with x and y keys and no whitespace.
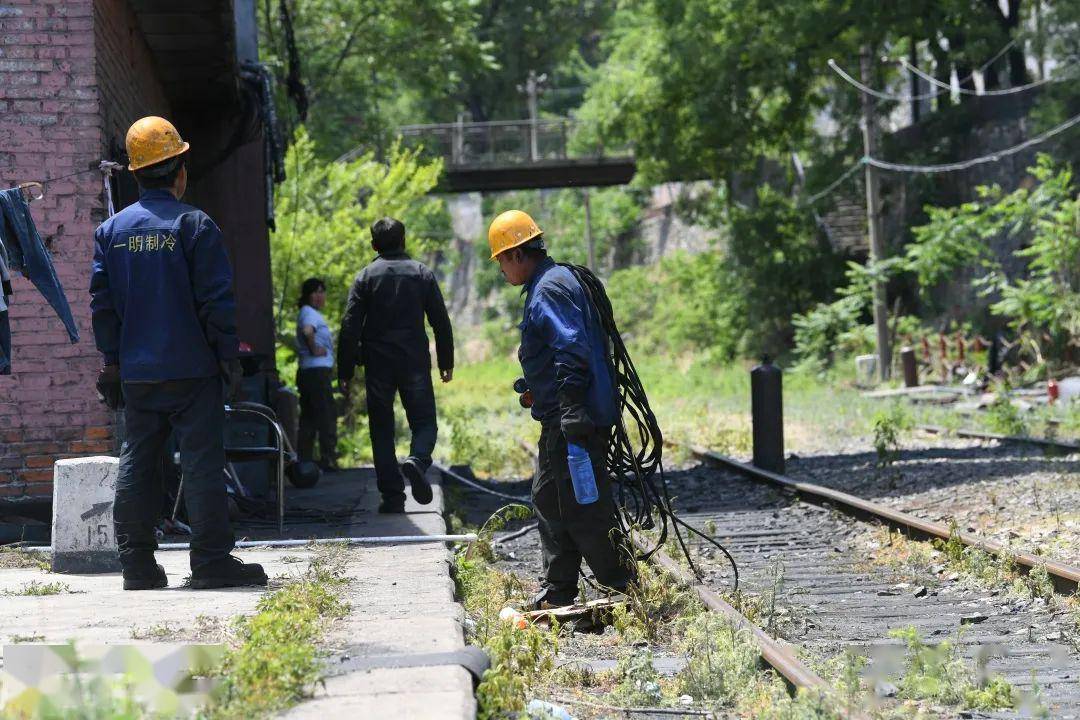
{"x":161,"y":291}
{"x":563,"y":349}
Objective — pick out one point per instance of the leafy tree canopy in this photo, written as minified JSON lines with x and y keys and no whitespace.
{"x":706,"y":88}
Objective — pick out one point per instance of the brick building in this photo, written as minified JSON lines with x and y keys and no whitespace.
{"x":73,"y":75}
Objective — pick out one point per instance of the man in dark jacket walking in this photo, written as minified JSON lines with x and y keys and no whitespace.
{"x":164,"y":319}
{"x":383,"y":328}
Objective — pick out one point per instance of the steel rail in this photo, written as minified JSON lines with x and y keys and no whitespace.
{"x":777,"y":655}
{"x":979,"y":435}
{"x":1066,"y":578}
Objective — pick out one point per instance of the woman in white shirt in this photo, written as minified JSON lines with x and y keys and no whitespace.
{"x":315,"y":346}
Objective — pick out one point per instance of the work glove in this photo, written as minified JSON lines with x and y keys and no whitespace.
{"x":574,"y":420}
{"x":108,"y":387}
{"x":232,"y":373}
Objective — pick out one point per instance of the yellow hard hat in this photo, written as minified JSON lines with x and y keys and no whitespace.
{"x":152,"y":140}
{"x":511,"y":229}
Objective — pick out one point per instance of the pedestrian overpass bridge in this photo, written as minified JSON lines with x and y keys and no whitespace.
{"x":517,"y":155}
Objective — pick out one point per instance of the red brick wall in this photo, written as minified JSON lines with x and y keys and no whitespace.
{"x":73,"y":73}
{"x":126,"y":82}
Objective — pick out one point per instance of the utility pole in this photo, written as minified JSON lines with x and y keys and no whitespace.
{"x":588,"y":230}
{"x":531,"y":88}
{"x":873,"y":220}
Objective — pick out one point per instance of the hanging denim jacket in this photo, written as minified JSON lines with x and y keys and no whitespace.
{"x":27,"y":254}
{"x":5,"y":328}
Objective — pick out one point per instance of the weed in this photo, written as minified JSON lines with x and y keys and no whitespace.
{"x":520,"y":657}
{"x":18,"y":559}
{"x":34,"y":588}
{"x":575,"y":673}
{"x":997,"y":693}
{"x":639,"y":682}
{"x":722,"y":673}
{"x":1034,"y":585}
{"x":161,"y":631}
{"x":275,"y":662}
{"x":889,"y":426}
{"x":88,"y":696}
{"x":936,"y":673}
{"x":650,"y":602}
{"x":720,"y":660}
{"x":496,"y":522}
{"x":1004,"y":417}
{"x":908,"y":559}
{"x":931,"y":672}
{"x":850,"y":684}
{"x":479,"y":437}
{"x":208,"y":628}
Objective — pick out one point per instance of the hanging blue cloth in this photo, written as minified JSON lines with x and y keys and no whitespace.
{"x":27,"y":254}
{"x":5,"y":344}
{"x":5,"y":327}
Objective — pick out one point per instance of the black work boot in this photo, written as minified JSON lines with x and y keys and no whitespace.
{"x":145,"y":577}
{"x":227,"y":572}
{"x":414,"y":471}
{"x":547,"y":599}
{"x":392,"y":506}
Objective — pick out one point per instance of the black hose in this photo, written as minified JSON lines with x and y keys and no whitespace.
{"x":642,"y":491}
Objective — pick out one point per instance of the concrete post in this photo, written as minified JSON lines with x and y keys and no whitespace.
{"x":82,"y":525}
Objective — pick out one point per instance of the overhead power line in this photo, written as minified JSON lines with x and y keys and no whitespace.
{"x":966,"y":164}
{"x":834,"y":184}
{"x":1004,"y":91}
{"x":944,"y":87}
{"x":945,"y":167}
{"x":880,"y":93}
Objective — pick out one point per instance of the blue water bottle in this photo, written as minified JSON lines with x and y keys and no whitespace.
{"x":581,"y":473}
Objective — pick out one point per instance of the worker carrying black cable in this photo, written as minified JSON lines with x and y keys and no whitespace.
{"x":564,"y":358}
{"x":597,"y":426}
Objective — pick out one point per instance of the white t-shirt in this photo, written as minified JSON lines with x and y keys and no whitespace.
{"x":311,"y":316}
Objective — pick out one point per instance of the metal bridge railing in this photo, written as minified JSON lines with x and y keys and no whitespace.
{"x":499,"y":142}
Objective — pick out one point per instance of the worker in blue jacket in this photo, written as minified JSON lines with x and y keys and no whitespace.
{"x":564,"y":359}
{"x":164,"y":319}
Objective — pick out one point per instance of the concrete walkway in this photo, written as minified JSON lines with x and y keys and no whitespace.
{"x":401,"y":599}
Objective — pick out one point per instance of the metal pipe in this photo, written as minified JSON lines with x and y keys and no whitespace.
{"x":373,"y":540}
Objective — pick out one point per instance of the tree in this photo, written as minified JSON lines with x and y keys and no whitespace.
{"x":707,"y":88}
{"x":325,"y":210}
{"x":554,"y":37}
{"x":368,"y":64}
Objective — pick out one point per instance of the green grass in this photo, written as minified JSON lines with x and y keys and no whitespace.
{"x":695,"y":401}
{"x":35,"y":588}
{"x":274,"y":661}
{"x":16,"y":559}
{"x":937,"y":673}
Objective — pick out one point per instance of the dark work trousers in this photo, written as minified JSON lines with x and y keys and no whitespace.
{"x":318,"y":414}
{"x":569,"y":531}
{"x":195,"y":411}
{"x":418,"y":399}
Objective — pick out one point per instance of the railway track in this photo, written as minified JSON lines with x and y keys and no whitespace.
{"x":799,"y":543}
{"x":1063,"y":446}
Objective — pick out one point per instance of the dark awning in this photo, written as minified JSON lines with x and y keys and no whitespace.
{"x":194,"y":48}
